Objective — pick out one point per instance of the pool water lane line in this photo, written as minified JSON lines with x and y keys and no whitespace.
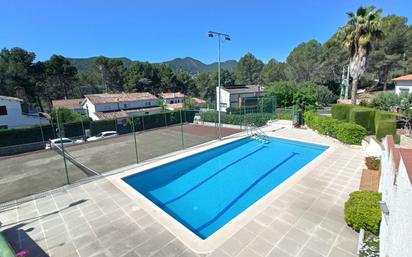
{"x":212,"y":176}
{"x":227,"y":207}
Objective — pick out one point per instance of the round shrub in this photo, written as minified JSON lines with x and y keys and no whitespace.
{"x":362,"y":211}
{"x":350,"y":133}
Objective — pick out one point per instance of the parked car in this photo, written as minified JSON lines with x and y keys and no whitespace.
{"x":101,"y":135}
{"x":58,"y":141}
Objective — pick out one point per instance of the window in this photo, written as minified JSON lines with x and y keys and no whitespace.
{"x":3,"y":126}
{"x":403,"y":90}
{"x":148,"y":103}
{"x":125,"y":106}
{"x":3,"y":110}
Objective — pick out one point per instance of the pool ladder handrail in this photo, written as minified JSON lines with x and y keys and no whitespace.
{"x":257,"y":133}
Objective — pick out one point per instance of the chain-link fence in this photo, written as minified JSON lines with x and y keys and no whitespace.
{"x":46,"y":156}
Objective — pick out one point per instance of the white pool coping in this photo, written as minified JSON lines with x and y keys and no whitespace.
{"x":191,"y":240}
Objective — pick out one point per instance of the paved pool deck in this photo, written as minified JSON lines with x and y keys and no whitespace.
{"x":94,"y":218}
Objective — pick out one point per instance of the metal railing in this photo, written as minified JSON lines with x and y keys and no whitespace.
{"x":257,"y":133}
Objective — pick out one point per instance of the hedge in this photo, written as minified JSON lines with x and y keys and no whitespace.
{"x":75,"y":129}
{"x":345,"y":132}
{"x":362,"y":211}
{"x":259,"y":119}
{"x":385,"y":124}
{"x":102,"y":125}
{"x":364,"y":117}
{"x":9,"y":137}
{"x":341,"y":111}
{"x":380,"y":123}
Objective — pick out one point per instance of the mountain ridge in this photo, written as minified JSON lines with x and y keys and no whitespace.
{"x":186,"y":64}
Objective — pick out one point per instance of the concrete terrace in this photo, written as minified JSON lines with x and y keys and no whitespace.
{"x":94,"y":218}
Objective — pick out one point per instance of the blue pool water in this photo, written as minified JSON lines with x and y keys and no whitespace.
{"x":207,"y":190}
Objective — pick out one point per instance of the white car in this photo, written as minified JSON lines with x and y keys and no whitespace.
{"x":102,"y":135}
{"x":58,"y":141}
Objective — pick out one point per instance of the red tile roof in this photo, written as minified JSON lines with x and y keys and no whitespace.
{"x":172,"y":95}
{"x":69,"y":103}
{"x":404,"y":78}
{"x":175,"y":106}
{"x":120,"y":97}
{"x":123,"y":113}
{"x":407,"y":160}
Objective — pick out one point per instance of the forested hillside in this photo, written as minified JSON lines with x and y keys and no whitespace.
{"x":320,"y":64}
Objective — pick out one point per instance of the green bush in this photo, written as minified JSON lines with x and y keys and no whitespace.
{"x":385,"y":127}
{"x":350,"y":133}
{"x":362,"y":211}
{"x":385,"y":124}
{"x":9,"y":137}
{"x":75,"y":129}
{"x":345,"y":132}
{"x":364,"y":117}
{"x":102,"y":125}
{"x":341,"y":111}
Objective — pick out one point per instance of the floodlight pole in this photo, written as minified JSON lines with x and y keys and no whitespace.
{"x":226,"y":37}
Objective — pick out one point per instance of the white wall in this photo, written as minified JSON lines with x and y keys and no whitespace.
{"x":396,"y":228}
{"x":403,"y":85}
{"x":175,"y":100}
{"x":15,"y":118}
{"x":224,"y":99}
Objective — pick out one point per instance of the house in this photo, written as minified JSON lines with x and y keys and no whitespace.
{"x":236,"y":96}
{"x":13,"y":115}
{"x":403,"y":84}
{"x":117,"y":105}
{"x":173,"y":101}
{"x":75,"y":105}
{"x":396,"y":188}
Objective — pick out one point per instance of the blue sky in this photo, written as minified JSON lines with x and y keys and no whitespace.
{"x":159,"y":30}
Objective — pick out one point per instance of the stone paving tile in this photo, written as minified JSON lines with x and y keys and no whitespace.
{"x":96,"y":219}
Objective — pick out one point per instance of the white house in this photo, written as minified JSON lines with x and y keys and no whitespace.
{"x":13,"y":116}
{"x":234,"y":96}
{"x":74,"y":105}
{"x":396,"y":188}
{"x":108,"y":106}
{"x":403,"y":84}
{"x":173,"y":101}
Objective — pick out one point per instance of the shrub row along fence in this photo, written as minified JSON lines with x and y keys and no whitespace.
{"x":376,"y":122}
{"x":240,"y":118}
{"x":11,"y":137}
{"x":346,"y":132}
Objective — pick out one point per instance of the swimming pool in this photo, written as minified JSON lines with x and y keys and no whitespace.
{"x":206,"y":190}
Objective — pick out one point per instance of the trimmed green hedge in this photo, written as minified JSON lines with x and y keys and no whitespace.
{"x":362,"y":211}
{"x":259,"y":119}
{"x":341,"y":111}
{"x":102,"y":125}
{"x":9,"y":137}
{"x":345,"y":132}
{"x":364,"y":117}
{"x":380,"y":123}
{"x":75,"y":129}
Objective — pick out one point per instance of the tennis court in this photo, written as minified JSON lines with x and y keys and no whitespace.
{"x":31,"y":173}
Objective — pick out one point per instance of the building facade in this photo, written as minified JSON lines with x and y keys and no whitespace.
{"x":119,"y":103}
{"x":13,"y":116}
{"x":237,"y":96}
{"x":403,"y":84}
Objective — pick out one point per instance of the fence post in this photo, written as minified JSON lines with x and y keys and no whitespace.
{"x":41,"y":130}
{"x":84,"y":133}
{"x":135,"y":141}
{"x":62,"y":146}
{"x":181,"y":129}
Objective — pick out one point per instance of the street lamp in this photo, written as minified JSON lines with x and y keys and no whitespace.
{"x":219,"y":38}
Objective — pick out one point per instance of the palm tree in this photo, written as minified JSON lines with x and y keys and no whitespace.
{"x":361,"y":29}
